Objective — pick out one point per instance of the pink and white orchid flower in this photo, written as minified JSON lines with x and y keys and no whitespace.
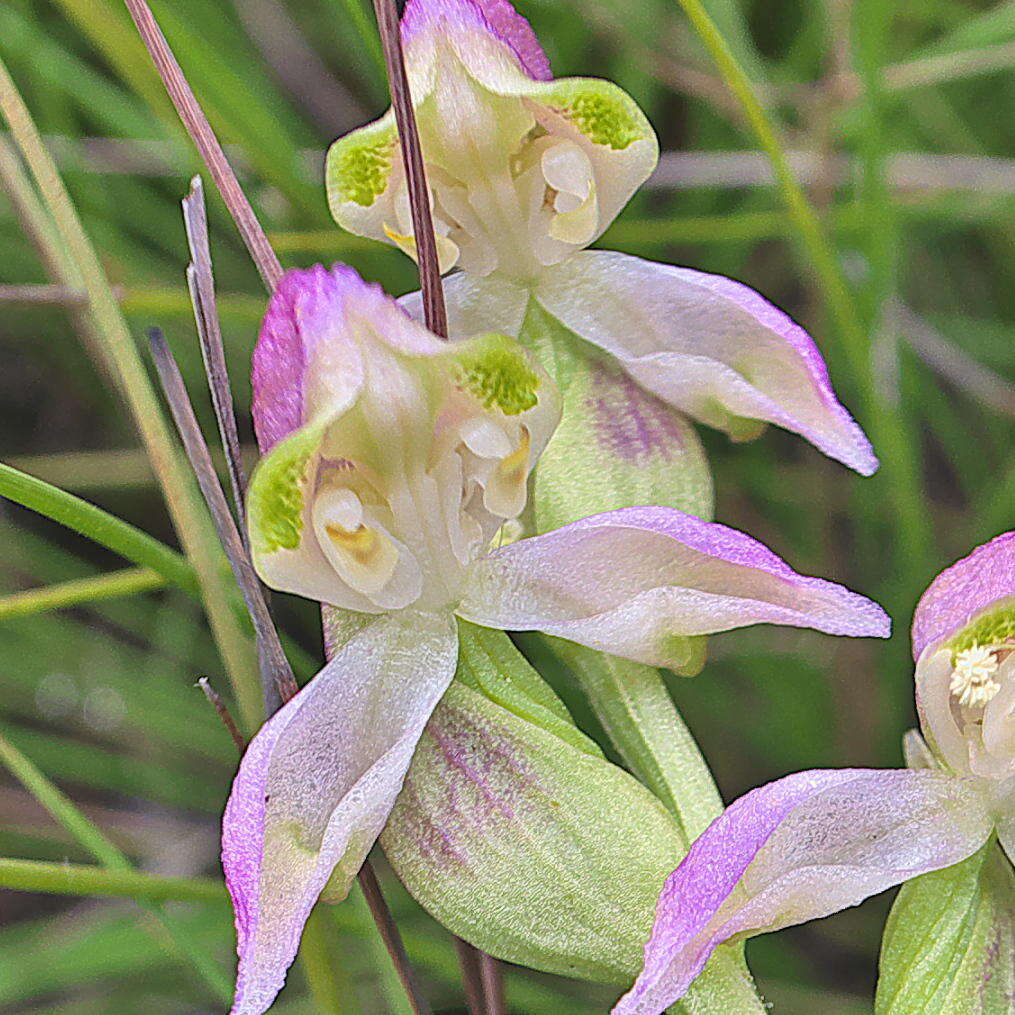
{"x":525,"y":172}
{"x":817,"y":842}
{"x":391,"y":460}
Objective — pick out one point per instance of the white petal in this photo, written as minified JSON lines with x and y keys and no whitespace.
{"x":706,"y":344}
{"x":317,"y":783}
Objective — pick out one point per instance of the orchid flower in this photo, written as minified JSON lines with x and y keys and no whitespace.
{"x":816,"y":842}
{"x":524,"y":173}
{"x":390,"y":462}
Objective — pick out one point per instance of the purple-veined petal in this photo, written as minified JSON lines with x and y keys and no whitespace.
{"x":316,"y":785}
{"x":798,"y":849}
{"x":709,"y":345}
{"x":638,"y":581}
{"x":963,"y":590}
{"x":455,"y":18}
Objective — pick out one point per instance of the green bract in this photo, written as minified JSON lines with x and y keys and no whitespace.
{"x":949,"y":944}
{"x":517,"y":834}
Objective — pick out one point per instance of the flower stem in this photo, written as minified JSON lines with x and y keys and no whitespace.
{"x":392,"y":939}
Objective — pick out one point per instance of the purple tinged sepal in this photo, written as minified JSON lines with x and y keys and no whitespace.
{"x":456,"y":19}
{"x":964,"y":592}
{"x":517,"y":835}
{"x":316,"y":785}
{"x":795,"y":850}
{"x":707,"y":345}
{"x":523,"y":170}
{"x":637,"y":582}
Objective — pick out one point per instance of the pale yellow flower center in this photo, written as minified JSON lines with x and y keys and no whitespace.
{"x":973,"y":681}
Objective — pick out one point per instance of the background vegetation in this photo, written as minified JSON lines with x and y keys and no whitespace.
{"x":897,"y":120}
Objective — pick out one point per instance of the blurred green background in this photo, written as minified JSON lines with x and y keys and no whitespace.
{"x":896,"y":118}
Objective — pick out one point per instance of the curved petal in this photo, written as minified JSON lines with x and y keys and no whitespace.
{"x":964,"y":590}
{"x":317,"y":783}
{"x":637,"y":582}
{"x":795,"y":850}
{"x":709,"y":345}
{"x":477,"y":305}
{"x":364,"y":179}
{"x":307,"y":365}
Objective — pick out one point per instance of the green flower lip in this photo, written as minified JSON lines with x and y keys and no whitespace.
{"x":276,"y":494}
{"x":359,"y":166}
{"x":601,"y":115}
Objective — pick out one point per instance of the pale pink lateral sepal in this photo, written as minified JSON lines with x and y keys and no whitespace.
{"x":317,"y":783}
{"x":638,"y":581}
{"x":708,"y":345}
{"x":798,"y":849}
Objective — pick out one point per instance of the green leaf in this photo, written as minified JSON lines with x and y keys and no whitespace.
{"x":949,"y":944}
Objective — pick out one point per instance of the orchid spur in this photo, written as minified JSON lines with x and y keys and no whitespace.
{"x":816,"y":842}
{"x":390,"y":462}
{"x":525,"y":172}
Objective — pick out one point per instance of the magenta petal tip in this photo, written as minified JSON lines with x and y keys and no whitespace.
{"x":495,"y":16}
{"x":963,"y":590}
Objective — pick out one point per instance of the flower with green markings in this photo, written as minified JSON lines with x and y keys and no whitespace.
{"x":524,"y":172}
{"x":815,"y":842}
{"x":391,"y":462}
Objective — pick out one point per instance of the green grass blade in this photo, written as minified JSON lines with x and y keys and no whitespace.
{"x":61,"y":808}
{"x":100,"y":526}
{"x":122,"y":359}
{"x":80,"y":879}
{"x":128,"y":582}
{"x":105,"y":851}
{"x":883,"y":422}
